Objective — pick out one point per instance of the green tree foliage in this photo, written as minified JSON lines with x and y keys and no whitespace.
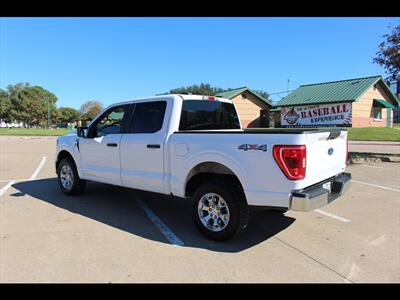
{"x":5,"y":107}
{"x":54,"y":117}
{"x":67,"y":114}
{"x":388,"y":55}
{"x":202,"y":89}
{"x":263,"y":94}
{"x":30,"y":104}
{"x":90,"y":109}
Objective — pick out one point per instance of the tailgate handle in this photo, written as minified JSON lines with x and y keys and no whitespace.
{"x":112,"y":145}
{"x":153,"y":146}
{"x":333,"y":134}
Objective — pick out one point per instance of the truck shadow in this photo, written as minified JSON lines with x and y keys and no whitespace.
{"x":117,"y":207}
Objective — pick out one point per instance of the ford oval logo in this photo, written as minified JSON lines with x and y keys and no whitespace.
{"x":330,"y":151}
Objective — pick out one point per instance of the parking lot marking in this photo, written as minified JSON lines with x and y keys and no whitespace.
{"x":6,"y":187}
{"x":40,"y":166}
{"x":378,"y":186}
{"x":331,"y":215}
{"x":174,"y":240}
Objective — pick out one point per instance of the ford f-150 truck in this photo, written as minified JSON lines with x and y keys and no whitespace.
{"x":194,"y":147}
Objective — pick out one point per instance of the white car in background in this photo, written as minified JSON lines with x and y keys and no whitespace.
{"x":10,"y":125}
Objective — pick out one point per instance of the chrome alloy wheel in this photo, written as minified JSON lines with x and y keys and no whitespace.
{"x":213,"y":212}
{"x":66,"y":177}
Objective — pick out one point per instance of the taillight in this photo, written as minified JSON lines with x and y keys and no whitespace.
{"x":292,"y":160}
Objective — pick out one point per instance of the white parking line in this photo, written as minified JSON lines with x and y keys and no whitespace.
{"x":378,"y":186}
{"x":174,"y":240}
{"x":6,"y":187}
{"x":331,"y":215}
{"x":40,"y":166}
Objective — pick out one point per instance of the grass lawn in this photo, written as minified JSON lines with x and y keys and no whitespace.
{"x":34,"y":131}
{"x":362,"y":134}
{"x":374,"y":134}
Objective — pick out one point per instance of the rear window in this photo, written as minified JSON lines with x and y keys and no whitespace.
{"x":207,"y":114}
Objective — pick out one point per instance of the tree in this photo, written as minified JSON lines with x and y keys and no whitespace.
{"x":5,"y":107}
{"x":388,"y":55}
{"x":263,"y":94}
{"x":67,"y":114}
{"x":90,"y":109}
{"x":202,"y":89}
{"x":13,"y":92}
{"x":31,"y":104}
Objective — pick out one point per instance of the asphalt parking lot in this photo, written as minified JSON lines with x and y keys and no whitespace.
{"x":113,"y":234}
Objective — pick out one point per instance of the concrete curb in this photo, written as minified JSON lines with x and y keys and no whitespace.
{"x":367,"y":157}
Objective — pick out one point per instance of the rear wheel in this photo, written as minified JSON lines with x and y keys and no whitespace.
{"x":220,"y":210}
{"x":68,"y":178}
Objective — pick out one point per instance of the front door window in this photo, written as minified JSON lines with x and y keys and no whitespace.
{"x":111,"y":123}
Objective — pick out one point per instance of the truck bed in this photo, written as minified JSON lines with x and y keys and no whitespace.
{"x":263,"y":131}
{"x":263,"y":181}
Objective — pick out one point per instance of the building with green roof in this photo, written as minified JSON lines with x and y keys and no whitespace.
{"x":253,"y":109}
{"x":359,"y":102}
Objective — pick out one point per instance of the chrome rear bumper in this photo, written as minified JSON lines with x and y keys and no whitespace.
{"x":317,"y":196}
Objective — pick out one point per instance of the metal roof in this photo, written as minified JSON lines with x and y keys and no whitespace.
{"x":382,"y":103}
{"x":233,"y":93}
{"x":333,"y":92}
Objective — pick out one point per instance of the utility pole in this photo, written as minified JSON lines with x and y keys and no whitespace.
{"x":288,"y":86}
{"x":48,"y":112}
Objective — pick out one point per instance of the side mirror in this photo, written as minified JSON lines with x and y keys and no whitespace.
{"x":81,"y":131}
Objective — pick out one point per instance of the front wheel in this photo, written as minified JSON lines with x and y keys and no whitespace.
{"x":220,"y":210}
{"x":68,"y":178}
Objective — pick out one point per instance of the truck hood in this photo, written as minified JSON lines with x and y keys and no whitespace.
{"x":72,"y":132}
{"x":68,"y":138}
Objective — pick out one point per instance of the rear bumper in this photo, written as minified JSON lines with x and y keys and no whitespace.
{"x":317,"y":196}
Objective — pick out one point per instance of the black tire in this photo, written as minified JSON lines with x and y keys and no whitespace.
{"x":78,"y":185}
{"x":237,"y":205}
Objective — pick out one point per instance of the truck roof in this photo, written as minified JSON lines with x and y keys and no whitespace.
{"x":183,"y":96}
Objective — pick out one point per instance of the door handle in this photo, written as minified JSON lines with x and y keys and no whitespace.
{"x":153,"y":146}
{"x":112,"y":145}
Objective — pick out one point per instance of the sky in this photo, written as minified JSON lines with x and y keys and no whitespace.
{"x":117,"y":59}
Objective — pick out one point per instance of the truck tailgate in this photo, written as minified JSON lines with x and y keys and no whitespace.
{"x":326,"y":155}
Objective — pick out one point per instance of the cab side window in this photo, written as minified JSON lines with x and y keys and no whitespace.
{"x":148,"y":117}
{"x":111,"y":123}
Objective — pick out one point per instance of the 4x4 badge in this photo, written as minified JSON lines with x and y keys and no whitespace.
{"x":246,"y":147}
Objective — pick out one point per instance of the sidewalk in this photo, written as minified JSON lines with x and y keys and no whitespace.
{"x":374,"y":147}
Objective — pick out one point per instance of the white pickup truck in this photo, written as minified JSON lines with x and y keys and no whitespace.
{"x":193,"y":147}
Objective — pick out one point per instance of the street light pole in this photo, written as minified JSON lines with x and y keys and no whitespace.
{"x":48,"y":112}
